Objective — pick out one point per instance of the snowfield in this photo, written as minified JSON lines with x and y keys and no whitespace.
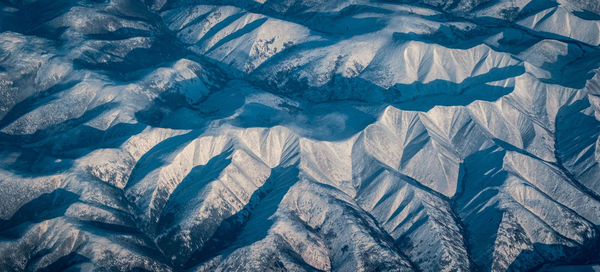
{"x":299,"y":135}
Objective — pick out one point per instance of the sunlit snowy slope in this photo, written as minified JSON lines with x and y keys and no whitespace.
{"x":299,"y":135}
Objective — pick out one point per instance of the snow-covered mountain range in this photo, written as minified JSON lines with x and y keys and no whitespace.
{"x":299,"y":135}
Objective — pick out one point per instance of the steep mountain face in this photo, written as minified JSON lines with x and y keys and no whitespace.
{"x":299,"y":135}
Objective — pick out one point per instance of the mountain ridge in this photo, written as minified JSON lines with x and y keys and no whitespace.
{"x":299,"y":135}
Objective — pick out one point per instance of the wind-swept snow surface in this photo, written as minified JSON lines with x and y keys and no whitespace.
{"x":299,"y":135}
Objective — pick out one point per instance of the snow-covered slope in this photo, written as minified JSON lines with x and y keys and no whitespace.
{"x":299,"y":135}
